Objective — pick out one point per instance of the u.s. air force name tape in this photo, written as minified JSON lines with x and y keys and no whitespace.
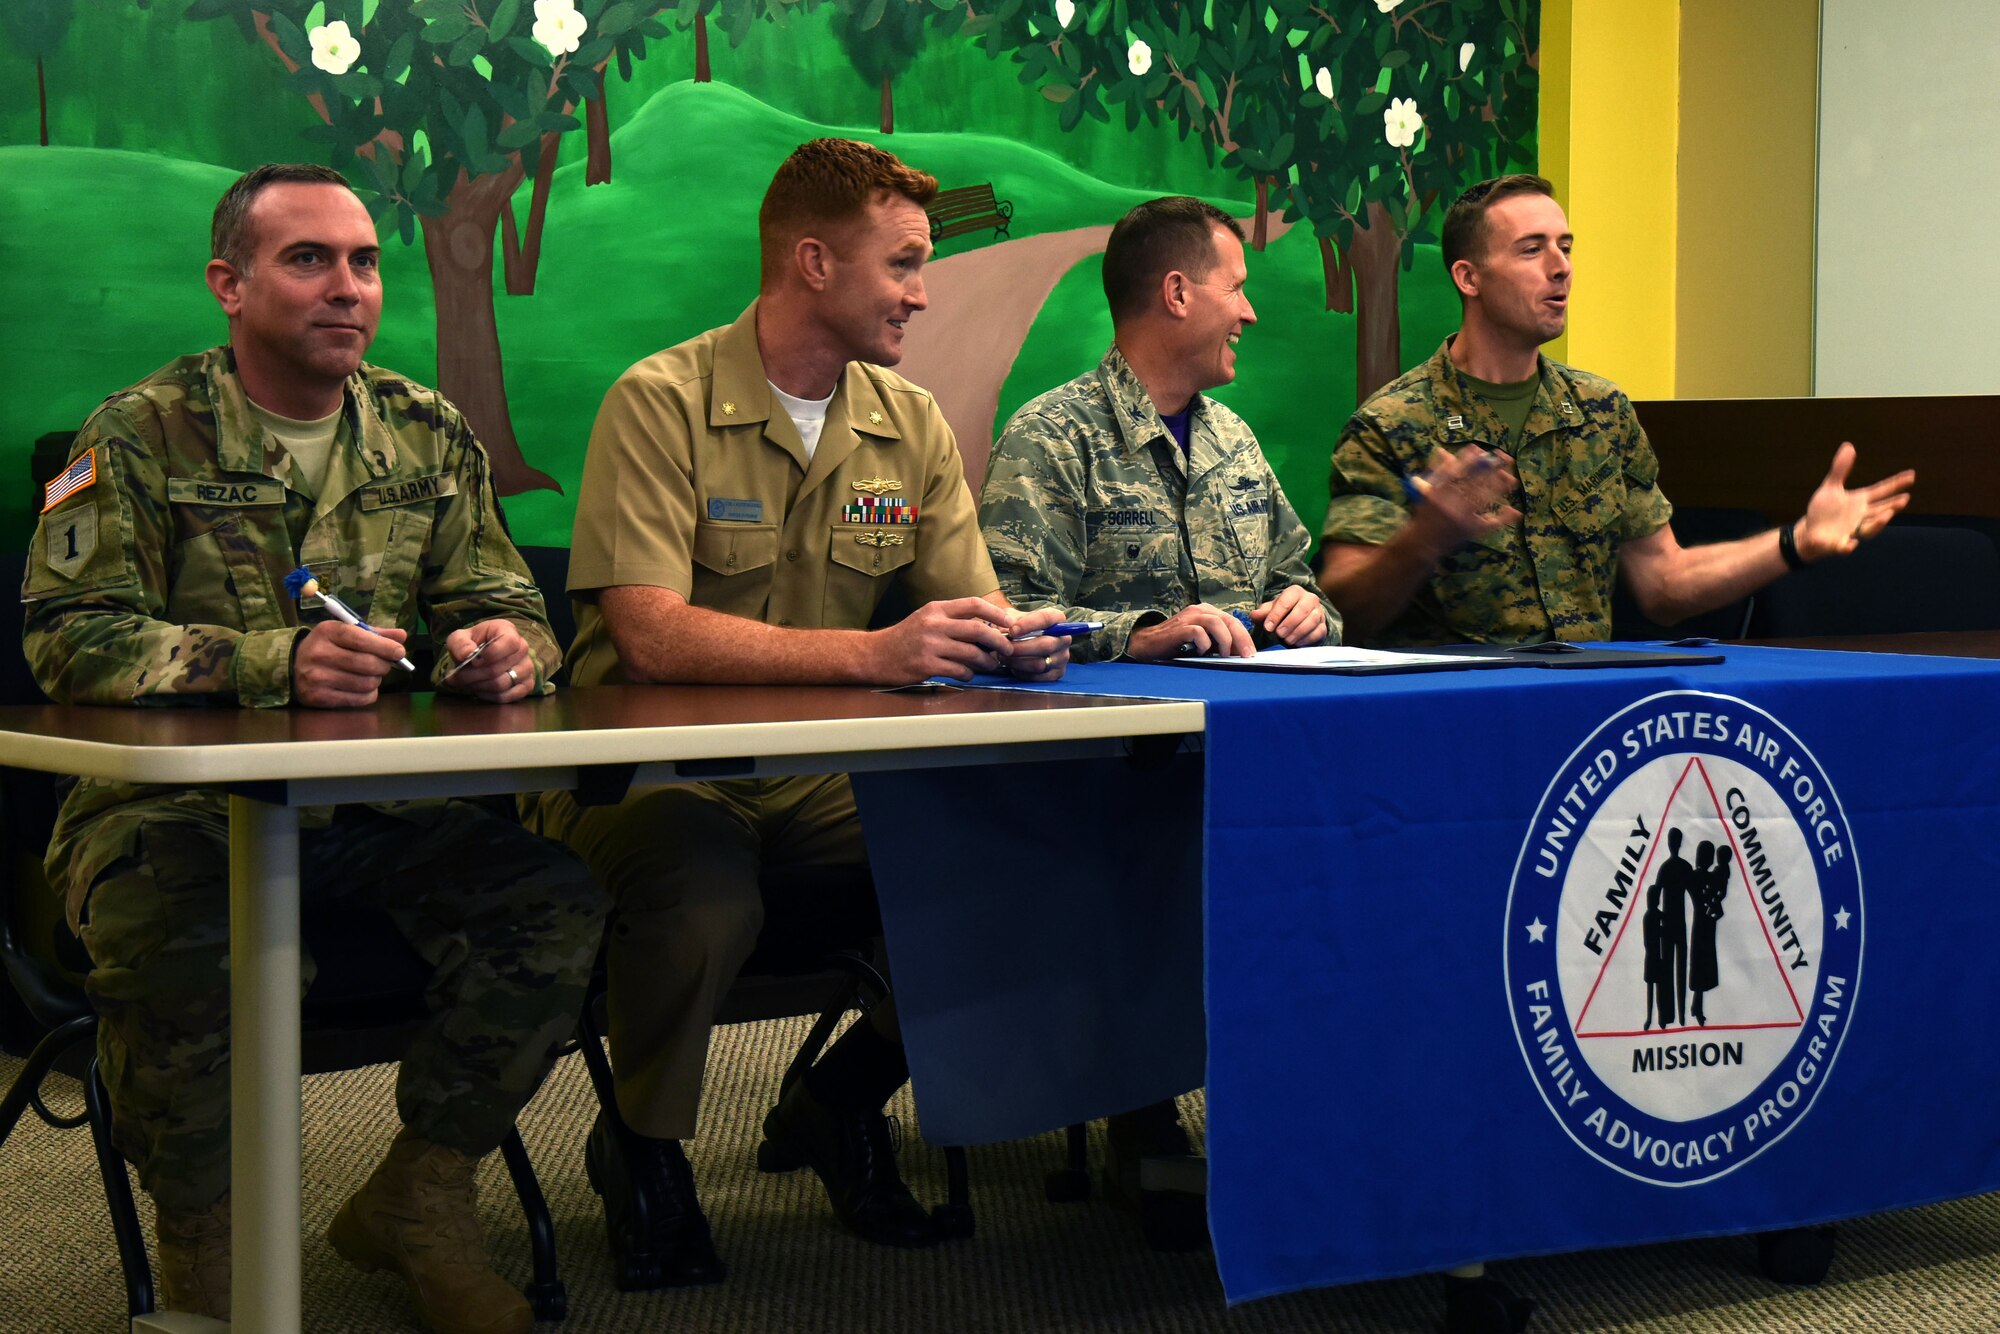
{"x":1684,"y":937}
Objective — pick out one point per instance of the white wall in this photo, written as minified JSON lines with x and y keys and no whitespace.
{"x":1907,"y":272}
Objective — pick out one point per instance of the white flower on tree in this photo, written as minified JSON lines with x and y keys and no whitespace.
{"x":333,"y":47}
{"x":1465,"y":55}
{"x":1401,"y":122}
{"x":1139,"y":58}
{"x":558,"y":26}
{"x":1323,"y":83}
{"x":1065,"y":11}
{"x":1384,"y":6}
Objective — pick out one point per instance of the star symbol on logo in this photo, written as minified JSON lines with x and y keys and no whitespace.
{"x":1841,"y":919}
{"x":1537,"y":929}
{"x":729,"y":409}
{"x":874,"y":419}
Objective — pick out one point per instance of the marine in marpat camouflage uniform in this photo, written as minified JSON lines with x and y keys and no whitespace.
{"x":157,"y":578}
{"x":1127,"y":497}
{"x":1490,"y":495}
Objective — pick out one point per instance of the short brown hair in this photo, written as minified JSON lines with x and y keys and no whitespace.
{"x":229,"y":231}
{"x":1464,"y":233}
{"x":1155,"y":239}
{"x":825,"y":183}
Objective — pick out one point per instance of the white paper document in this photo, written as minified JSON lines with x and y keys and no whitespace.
{"x":1337,"y":658}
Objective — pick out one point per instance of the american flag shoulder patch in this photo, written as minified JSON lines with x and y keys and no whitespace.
{"x":76,"y":477}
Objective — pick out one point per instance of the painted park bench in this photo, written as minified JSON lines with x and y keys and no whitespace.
{"x":968,"y":208}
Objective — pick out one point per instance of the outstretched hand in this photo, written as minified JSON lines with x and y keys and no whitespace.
{"x":1839,"y":518}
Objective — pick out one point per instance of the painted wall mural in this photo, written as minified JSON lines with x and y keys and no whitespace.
{"x":565,"y":186}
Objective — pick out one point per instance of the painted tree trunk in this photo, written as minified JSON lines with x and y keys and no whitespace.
{"x":597,"y":135}
{"x":1258,"y":231}
{"x":701,"y":48}
{"x":42,"y":99}
{"x":1378,"y":328}
{"x":1339,"y":274}
{"x":521,"y":260}
{"x":459,"y":248}
{"x":888,"y":108}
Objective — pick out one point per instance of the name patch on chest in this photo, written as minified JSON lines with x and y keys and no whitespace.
{"x":735,"y":511}
{"x":195,"y":491}
{"x":412,"y":492}
{"x":1126,"y":518}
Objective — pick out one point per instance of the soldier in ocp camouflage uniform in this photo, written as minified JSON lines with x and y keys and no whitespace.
{"x":1491,"y":495}
{"x":1126,"y":496}
{"x":157,"y":578}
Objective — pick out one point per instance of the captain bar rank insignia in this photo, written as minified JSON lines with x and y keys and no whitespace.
{"x":1684,"y":934}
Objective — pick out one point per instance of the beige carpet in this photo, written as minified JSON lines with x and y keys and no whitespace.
{"x":1032,"y":1267}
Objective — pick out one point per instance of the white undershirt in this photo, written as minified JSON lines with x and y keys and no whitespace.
{"x":808,"y":414}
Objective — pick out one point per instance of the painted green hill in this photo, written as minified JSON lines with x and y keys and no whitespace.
{"x":665,"y":250}
{"x":1295,"y":366}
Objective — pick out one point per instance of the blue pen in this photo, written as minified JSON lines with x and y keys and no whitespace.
{"x":1073,"y":629}
{"x":300,"y":583}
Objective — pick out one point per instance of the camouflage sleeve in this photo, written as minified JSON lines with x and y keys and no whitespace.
{"x":472,"y":572}
{"x":1032,"y":510}
{"x":1367,"y":504}
{"x":1290,"y":561}
{"x":97,"y":587}
{"x":1647,"y":509}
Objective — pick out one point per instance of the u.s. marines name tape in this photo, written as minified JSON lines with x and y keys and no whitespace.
{"x":1684,"y":937}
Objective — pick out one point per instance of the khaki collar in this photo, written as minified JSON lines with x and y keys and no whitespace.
{"x":742,"y":396}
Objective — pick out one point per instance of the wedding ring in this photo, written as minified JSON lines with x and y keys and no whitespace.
{"x":1046,"y":660}
{"x":512,"y":678}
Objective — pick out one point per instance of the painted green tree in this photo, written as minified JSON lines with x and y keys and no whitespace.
{"x":1356,"y":115}
{"x":37,"y":29}
{"x":883,"y":38}
{"x":446,"y":107}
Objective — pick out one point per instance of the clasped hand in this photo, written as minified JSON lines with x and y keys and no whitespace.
{"x":962,"y":636}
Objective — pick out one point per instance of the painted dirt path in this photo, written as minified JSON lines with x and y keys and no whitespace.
{"x":983,"y":303}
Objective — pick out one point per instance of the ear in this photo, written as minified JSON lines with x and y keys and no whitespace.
{"x":813,"y":259}
{"x":1465,"y":277}
{"x":227,"y":286}
{"x":1176,"y":294}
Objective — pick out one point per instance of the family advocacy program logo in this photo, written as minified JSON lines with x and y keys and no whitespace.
{"x":1684,"y":937}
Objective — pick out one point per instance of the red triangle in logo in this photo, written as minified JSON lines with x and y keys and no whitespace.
{"x":1752,"y":988}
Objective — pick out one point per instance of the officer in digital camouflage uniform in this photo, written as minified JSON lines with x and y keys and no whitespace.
{"x":1491,"y":495}
{"x":157,"y":578}
{"x":750,"y":496}
{"x":1126,"y":496}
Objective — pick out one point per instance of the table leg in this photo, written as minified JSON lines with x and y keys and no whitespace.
{"x":264,"y":1063}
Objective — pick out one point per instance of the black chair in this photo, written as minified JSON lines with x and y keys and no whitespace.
{"x":1694,"y":525}
{"x":550,"y":566}
{"x":363,"y":1007}
{"x":1906,"y":580}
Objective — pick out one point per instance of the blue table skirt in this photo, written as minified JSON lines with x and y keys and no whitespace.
{"x":1432,"y":950}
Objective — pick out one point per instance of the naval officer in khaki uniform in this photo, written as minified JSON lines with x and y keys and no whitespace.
{"x":748,"y":498}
